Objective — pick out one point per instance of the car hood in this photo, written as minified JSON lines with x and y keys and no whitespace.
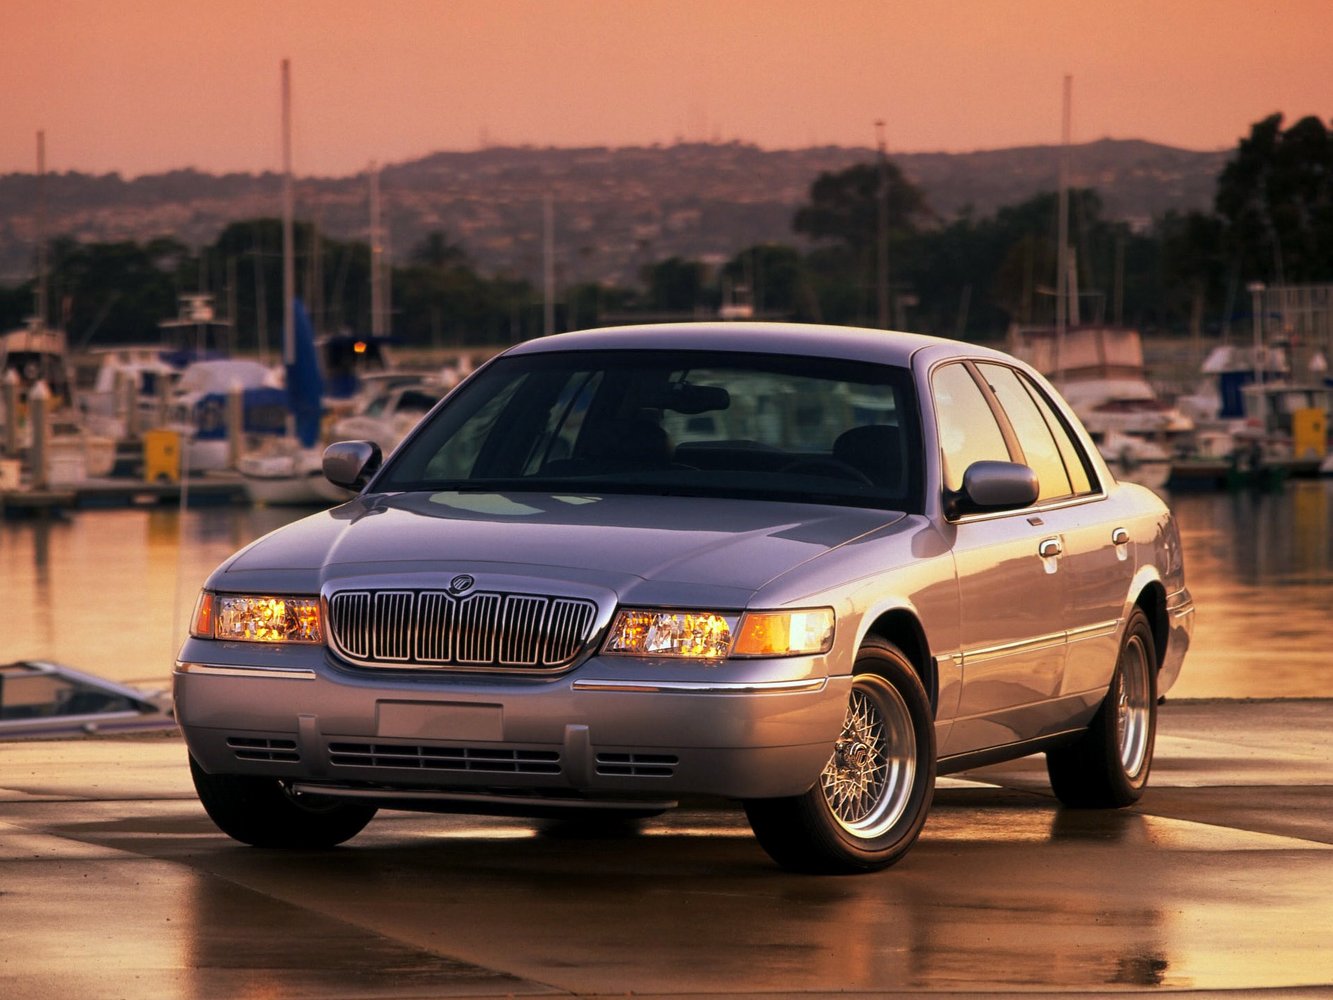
{"x":642,"y":548}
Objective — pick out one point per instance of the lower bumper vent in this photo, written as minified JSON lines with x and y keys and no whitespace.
{"x":486,"y":760}
{"x":248,"y":748}
{"x":637,"y":765}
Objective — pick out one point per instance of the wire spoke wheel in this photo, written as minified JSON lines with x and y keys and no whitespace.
{"x":870,"y":801}
{"x":869,"y":777}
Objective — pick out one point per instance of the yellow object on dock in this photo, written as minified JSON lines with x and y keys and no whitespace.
{"x":1309,"y":433}
{"x":161,"y":456}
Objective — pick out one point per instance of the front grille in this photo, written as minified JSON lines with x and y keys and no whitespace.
{"x":637,"y":765}
{"x":486,"y":760}
{"x":250,"y":748}
{"x":433,"y":628}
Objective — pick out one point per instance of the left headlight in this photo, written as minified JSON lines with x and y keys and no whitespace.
{"x":713,"y":635}
{"x":257,"y":618}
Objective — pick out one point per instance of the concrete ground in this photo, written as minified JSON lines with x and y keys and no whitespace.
{"x":113,"y":883}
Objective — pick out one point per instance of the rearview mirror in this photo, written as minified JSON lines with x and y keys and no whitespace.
{"x":691,"y":400}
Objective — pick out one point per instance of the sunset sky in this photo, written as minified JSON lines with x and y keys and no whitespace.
{"x":142,"y":86}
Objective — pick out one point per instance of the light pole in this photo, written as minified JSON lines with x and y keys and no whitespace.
{"x":882,"y":231}
{"x":1256,"y":298}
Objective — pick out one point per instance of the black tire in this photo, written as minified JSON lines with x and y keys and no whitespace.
{"x":263,"y":813}
{"x":872,"y":799}
{"x":1107,"y":768}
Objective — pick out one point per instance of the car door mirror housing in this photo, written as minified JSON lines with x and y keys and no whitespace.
{"x":351,"y":464}
{"x":994,"y":486}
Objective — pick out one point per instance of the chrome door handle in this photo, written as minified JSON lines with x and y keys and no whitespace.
{"x":1050,"y":548}
{"x":1119,"y":537}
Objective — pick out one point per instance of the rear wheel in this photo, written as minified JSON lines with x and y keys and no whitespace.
{"x":1108,"y":767}
{"x":263,"y":812}
{"x":871,"y":800}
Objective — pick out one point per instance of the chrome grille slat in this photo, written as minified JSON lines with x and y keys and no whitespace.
{"x":352,"y":610}
{"x":477,"y":615}
{"x":433,"y":628}
{"x":569,"y":621}
{"x":393,"y":644}
{"x":521,"y":636}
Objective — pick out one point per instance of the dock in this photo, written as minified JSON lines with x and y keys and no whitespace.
{"x":116,"y":492}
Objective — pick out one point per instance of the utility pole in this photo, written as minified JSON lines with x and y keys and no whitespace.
{"x":288,"y":238}
{"x":377,"y":310}
{"x":1062,"y":246}
{"x":882,"y":231}
{"x":548,"y":264}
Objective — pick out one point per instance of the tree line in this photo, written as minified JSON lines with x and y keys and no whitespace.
{"x":870,"y":251}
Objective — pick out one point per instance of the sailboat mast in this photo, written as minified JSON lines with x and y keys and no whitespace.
{"x":882,"y":230}
{"x":377,"y":310}
{"x":288,"y":238}
{"x":548,"y":264}
{"x":1062,"y":237}
{"x":42,"y":293}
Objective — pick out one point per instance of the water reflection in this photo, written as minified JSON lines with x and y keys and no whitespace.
{"x":111,"y":591}
{"x":1260,"y":566}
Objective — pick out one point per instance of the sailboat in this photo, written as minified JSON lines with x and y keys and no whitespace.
{"x":35,"y":363}
{"x":289,"y":470}
{"x":1099,"y":368}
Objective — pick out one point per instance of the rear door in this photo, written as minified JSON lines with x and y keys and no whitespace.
{"x":1095,"y":552}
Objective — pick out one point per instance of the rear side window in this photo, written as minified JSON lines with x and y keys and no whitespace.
{"x":1046,"y":444}
{"x":1034,"y":436}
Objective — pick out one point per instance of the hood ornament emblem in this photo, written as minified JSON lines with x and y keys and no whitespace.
{"x":461,"y":584}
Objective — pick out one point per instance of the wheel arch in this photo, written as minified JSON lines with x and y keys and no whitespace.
{"x":902,"y":628}
{"x":1152,"y":602}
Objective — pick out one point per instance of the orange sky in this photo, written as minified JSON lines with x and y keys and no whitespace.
{"x":140,"y":86}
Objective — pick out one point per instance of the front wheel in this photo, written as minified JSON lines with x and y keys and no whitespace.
{"x":263,"y":812}
{"x":1108,"y":766}
{"x":871,"y":800}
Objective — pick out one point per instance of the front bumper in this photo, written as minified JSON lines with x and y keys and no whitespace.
{"x":612,"y":729}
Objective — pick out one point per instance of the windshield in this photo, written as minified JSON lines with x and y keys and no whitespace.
{"x":674,"y":422}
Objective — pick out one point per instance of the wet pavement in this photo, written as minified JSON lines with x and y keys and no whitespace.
{"x":113,"y":883}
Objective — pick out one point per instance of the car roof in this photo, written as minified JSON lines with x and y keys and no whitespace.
{"x":890,"y":347}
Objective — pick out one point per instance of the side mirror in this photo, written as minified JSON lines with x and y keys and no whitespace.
{"x":351,"y":464}
{"x":994,"y":486}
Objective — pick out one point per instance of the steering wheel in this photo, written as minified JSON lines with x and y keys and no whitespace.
{"x":831,"y":467}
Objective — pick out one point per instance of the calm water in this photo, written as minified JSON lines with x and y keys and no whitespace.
{"x":111,"y":591}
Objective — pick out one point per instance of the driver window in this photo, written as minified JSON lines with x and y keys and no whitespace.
{"x":967,"y":427}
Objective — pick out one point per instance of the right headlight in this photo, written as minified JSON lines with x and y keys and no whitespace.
{"x":257,"y":618}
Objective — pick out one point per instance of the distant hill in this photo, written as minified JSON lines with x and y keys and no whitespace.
{"x":614,"y":209}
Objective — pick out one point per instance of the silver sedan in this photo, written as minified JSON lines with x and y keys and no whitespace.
{"x":807,"y":568}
